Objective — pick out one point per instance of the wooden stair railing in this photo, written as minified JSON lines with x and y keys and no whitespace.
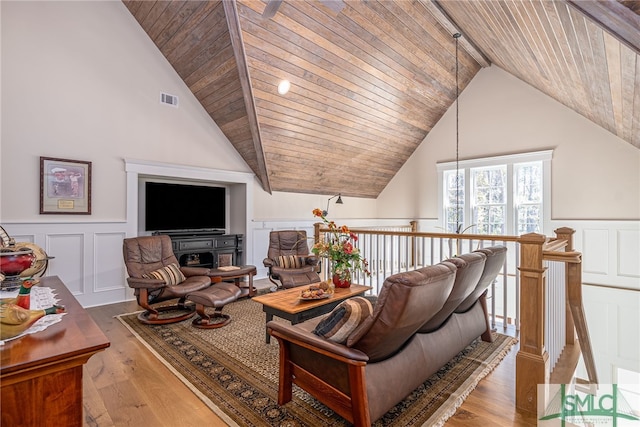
{"x":576,"y":318}
{"x":532,"y":360}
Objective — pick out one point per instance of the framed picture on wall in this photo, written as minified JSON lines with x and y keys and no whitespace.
{"x":65,"y":186}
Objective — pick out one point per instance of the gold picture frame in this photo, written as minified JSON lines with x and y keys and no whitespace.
{"x":65,"y":186}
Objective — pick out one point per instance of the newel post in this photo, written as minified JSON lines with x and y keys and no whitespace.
{"x":532,"y":360}
{"x":316,"y":232}
{"x":565,"y":233}
{"x":414,"y":229}
{"x":316,"y":239}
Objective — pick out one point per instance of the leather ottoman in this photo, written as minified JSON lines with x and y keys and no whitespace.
{"x":215,"y":296}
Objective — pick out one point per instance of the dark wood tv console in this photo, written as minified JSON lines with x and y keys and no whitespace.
{"x":211,"y":250}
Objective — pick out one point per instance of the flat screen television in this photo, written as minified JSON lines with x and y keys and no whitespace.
{"x":184,"y":207}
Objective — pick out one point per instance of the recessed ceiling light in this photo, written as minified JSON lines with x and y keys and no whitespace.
{"x":283,"y":87}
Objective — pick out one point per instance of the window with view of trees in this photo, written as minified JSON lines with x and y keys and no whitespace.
{"x":498,"y":195}
{"x":454,"y":205}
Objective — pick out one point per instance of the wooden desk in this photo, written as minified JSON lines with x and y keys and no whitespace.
{"x":286,"y":304}
{"x":41,"y":373}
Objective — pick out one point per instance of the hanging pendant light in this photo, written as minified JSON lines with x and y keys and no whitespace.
{"x":456,"y":36}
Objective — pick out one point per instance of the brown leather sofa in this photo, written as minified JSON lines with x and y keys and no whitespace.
{"x":418,"y":324}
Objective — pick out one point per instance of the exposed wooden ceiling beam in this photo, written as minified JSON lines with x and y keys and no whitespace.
{"x":235,"y":33}
{"x":452,"y":27}
{"x":271,"y":8}
{"x":615,"y":18}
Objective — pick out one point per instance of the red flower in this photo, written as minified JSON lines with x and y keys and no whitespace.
{"x":337,"y":246}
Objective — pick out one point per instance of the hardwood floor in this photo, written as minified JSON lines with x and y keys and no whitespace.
{"x":126,"y":385}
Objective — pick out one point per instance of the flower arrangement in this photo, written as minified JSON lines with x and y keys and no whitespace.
{"x":340,"y":250}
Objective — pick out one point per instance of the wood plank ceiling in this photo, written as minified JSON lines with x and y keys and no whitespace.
{"x":370,"y":79}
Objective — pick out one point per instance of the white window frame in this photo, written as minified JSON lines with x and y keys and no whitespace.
{"x":508,"y":160}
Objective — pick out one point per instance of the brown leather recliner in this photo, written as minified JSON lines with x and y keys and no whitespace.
{"x":146,"y":254}
{"x":289,"y":260}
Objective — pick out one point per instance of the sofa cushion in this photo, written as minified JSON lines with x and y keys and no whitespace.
{"x":496,"y":257}
{"x":405,"y":303}
{"x":169,"y":274}
{"x":469,"y":269}
{"x":344,"y":319}
{"x":290,"y":261}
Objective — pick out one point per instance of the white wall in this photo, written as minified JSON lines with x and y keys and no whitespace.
{"x":81,"y":80}
{"x":595,"y":175}
{"x":287,"y":206}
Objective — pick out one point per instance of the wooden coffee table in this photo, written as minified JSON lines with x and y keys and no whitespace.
{"x":287,"y":304}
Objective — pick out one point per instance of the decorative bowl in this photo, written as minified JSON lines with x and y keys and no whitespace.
{"x":15,"y":261}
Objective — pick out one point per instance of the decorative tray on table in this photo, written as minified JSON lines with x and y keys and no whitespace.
{"x":315,"y":292}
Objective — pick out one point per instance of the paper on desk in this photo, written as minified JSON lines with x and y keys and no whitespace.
{"x":41,"y":298}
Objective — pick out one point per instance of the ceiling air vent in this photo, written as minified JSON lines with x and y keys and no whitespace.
{"x":167,"y":99}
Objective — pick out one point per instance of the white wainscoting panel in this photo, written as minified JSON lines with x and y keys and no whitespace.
{"x":628,"y":258}
{"x":595,"y":251}
{"x":69,"y":260}
{"x":628,"y":321}
{"x":610,"y":251}
{"x":613,"y":318}
{"x":86,"y":256}
{"x":108,"y":263}
{"x":259,"y":250}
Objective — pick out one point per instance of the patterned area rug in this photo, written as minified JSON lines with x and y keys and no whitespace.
{"x":235,"y":373}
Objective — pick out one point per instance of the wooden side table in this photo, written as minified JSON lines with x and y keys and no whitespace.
{"x":237,"y":274}
{"x":41,"y":373}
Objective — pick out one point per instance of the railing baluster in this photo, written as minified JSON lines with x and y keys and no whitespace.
{"x":505,"y":294}
{"x":517,"y":264}
{"x":407,"y":254}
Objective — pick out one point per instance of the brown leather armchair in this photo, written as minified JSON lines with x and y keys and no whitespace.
{"x":155,"y":276}
{"x":289,"y":261}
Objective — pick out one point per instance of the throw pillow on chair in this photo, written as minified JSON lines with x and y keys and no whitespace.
{"x":290,"y":261}
{"x":170,"y":274}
